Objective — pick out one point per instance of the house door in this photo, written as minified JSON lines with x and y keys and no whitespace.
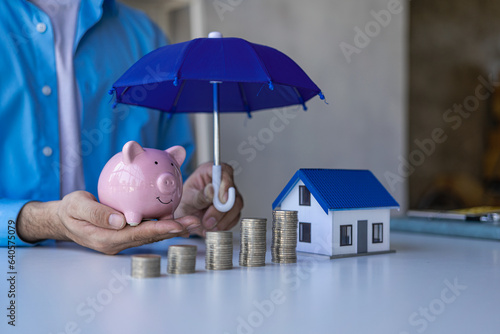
{"x":362,"y":236}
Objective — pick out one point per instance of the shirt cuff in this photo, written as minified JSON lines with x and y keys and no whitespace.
{"x":9,"y":210}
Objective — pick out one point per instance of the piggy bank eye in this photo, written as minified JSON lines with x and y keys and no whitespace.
{"x":156,"y":162}
{"x":172,"y":164}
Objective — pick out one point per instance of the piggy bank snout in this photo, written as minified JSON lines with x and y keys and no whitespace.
{"x":166,"y":183}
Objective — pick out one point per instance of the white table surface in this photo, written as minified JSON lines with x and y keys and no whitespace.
{"x":68,"y":289}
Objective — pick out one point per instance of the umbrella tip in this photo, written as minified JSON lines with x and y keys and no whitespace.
{"x":321,"y":96}
{"x":215,"y":34}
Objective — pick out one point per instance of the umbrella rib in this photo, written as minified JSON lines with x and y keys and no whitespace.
{"x":188,"y":50}
{"x":256,"y":55}
{"x":125,"y":90}
{"x":269,"y":76}
{"x":244,"y":98}
{"x":178,"y":96}
{"x":301,"y":99}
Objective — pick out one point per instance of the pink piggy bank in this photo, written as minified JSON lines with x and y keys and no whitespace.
{"x":143,"y":183}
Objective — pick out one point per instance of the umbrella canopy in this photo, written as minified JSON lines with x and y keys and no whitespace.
{"x":177,"y":77}
{"x":215,"y":74}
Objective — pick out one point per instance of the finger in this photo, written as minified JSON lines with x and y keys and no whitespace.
{"x":212,"y":216}
{"x":83,"y":206}
{"x":188,"y":223}
{"x":231,"y":218}
{"x":227,"y":182}
{"x":222,"y":220}
{"x":203,"y":199}
{"x":198,"y":231}
{"x":150,"y":231}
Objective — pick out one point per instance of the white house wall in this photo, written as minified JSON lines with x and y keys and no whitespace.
{"x":351,"y":217}
{"x":321,"y":223}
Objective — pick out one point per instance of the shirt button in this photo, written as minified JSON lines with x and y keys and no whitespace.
{"x":46,"y":90}
{"x":41,"y":27}
{"x":47,"y":151}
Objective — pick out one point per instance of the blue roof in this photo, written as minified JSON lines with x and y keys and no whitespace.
{"x":340,"y":189}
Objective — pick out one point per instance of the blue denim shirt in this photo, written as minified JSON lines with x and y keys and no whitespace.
{"x":110,"y":37}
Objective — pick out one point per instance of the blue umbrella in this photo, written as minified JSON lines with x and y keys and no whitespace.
{"x":216,"y":75}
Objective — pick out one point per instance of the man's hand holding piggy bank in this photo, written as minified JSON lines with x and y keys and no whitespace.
{"x":143,"y":183}
{"x":80,"y":218}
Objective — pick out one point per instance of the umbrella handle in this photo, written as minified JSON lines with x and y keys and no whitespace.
{"x":216,"y":180}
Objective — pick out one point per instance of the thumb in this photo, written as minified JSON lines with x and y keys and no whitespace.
{"x":99,"y":214}
{"x":203,"y":199}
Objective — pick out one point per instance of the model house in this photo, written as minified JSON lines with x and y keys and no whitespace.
{"x":341,"y":212}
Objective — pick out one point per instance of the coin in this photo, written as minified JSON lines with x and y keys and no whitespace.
{"x":219,"y":250}
{"x":253,"y":242}
{"x":284,"y":236}
{"x":181,"y":259}
{"x":146,"y":265}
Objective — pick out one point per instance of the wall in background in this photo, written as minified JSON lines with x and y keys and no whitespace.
{"x":355,"y":50}
{"x":364,"y":124}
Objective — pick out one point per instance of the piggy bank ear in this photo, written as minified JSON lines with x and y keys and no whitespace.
{"x":178,"y":153}
{"x":130,"y":151}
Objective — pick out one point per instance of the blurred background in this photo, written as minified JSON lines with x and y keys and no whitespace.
{"x":410,"y":85}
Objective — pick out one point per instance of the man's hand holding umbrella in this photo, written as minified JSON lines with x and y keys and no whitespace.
{"x":198,"y":196}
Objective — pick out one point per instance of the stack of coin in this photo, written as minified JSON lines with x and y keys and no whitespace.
{"x":146,"y":265}
{"x":284,"y":242}
{"x":253,"y":242}
{"x":181,"y":259}
{"x":219,"y":254}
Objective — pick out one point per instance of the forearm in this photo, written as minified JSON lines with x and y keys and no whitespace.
{"x":38,"y":221}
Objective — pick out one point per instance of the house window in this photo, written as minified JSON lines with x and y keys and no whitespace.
{"x":378,"y":232}
{"x":345,"y":235}
{"x":305,"y":232}
{"x":304,"y":196}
